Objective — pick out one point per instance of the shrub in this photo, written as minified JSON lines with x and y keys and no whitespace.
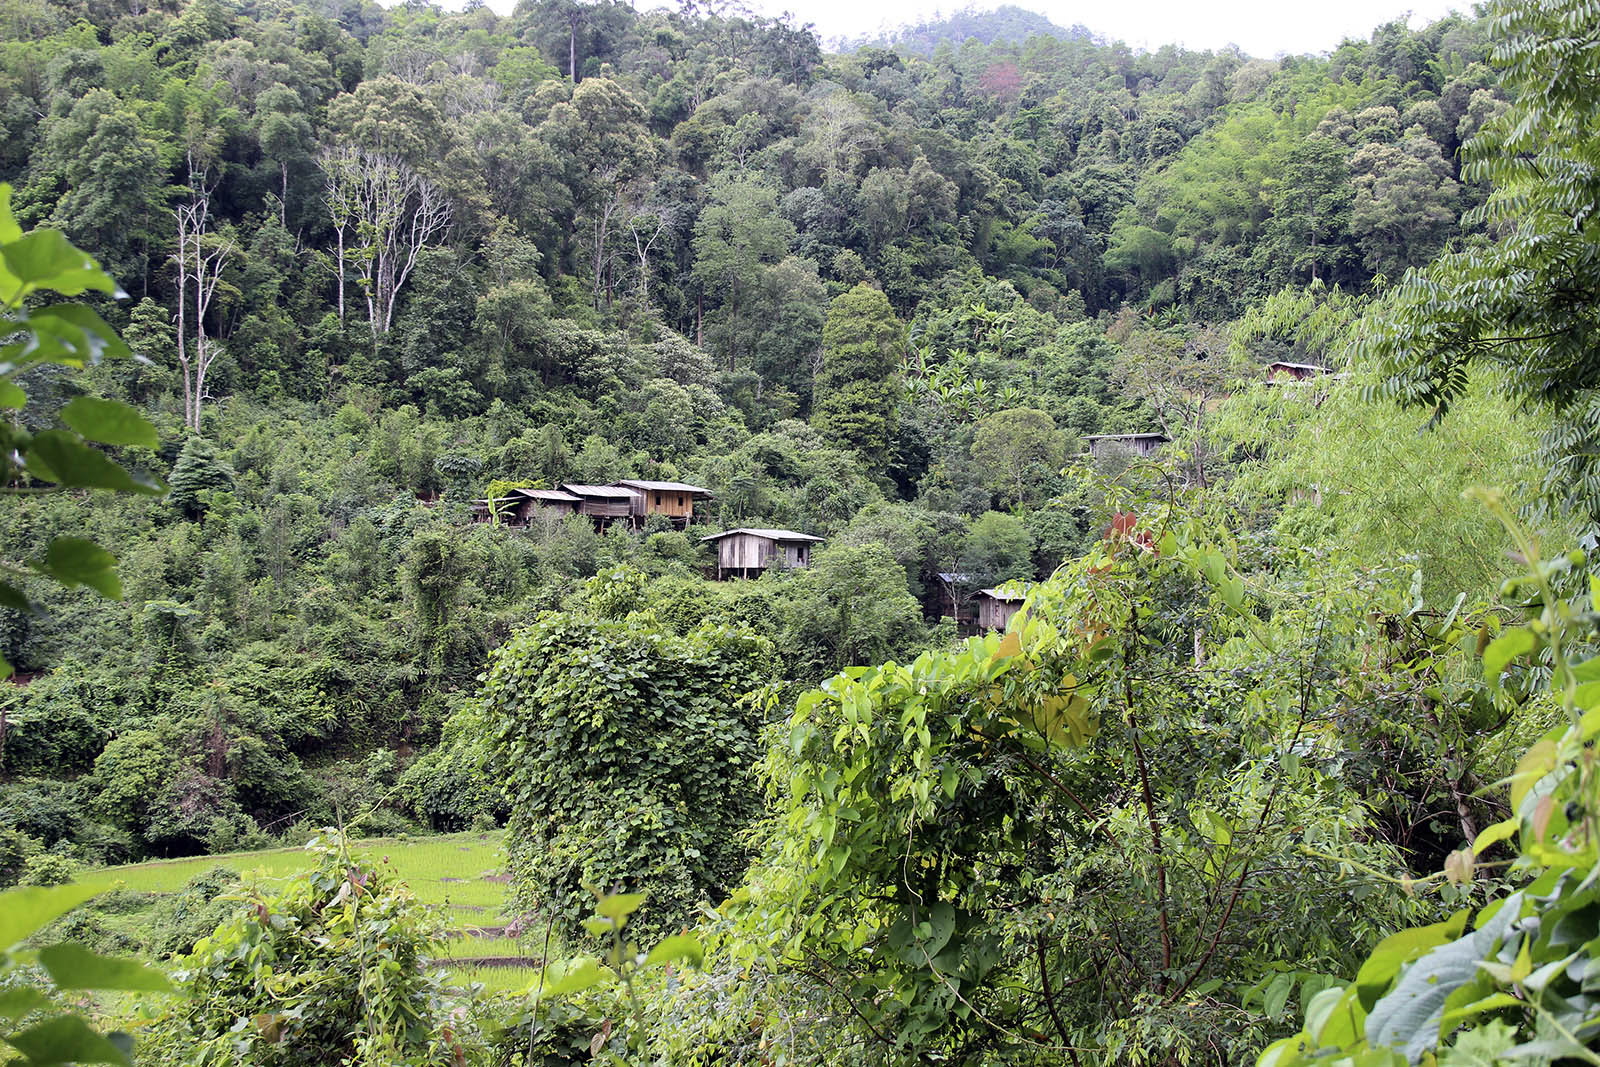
{"x":627,"y":753}
{"x":448,"y":790}
{"x":331,"y":968}
{"x":15,"y":848}
{"x":47,"y":868}
{"x":181,"y":919}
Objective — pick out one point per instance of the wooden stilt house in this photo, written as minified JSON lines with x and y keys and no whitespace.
{"x":675,"y":500}
{"x":520,"y":507}
{"x":1142,"y":445}
{"x":747,"y":552}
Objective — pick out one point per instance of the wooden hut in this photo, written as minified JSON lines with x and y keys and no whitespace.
{"x":675,"y":500}
{"x":604,"y":504}
{"x":542,"y":503}
{"x":745,"y":553}
{"x":1142,"y":445}
{"x":996,"y":605}
{"x":519,"y":507}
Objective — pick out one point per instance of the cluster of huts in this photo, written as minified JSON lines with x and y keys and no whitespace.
{"x":628,"y":500}
{"x":744,"y":552}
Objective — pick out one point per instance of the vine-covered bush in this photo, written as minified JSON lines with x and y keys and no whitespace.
{"x":179,"y":920}
{"x":331,"y":968}
{"x":628,"y":755}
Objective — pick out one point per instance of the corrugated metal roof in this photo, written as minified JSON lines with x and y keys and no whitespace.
{"x":772,"y":535}
{"x":664,"y":487}
{"x":547,"y":494}
{"x":1008,"y":595}
{"x":1298,"y":366}
{"x":610,"y":492}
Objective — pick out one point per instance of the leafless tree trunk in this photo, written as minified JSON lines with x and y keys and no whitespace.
{"x":394,"y":214}
{"x":647,"y":228}
{"x":199,"y":261}
{"x":339,"y":212}
{"x":599,"y":260}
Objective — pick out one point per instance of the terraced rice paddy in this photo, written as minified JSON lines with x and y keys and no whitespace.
{"x":456,"y":873}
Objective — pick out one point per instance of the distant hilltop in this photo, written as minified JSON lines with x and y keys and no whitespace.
{"x":1006,"y":23}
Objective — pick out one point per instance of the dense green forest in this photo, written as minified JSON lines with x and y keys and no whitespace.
{"x":377,"y":265}
{"x":378,"y":259}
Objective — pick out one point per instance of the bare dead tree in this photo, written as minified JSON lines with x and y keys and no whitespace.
{"x":340,"y":185}
{"x":647,"y":225}
{"x":392,"y":213}
{"x":200,"y":259}
{"x":600,"y":251}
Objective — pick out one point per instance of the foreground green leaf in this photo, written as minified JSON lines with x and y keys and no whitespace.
{"x":67,"y":1039}
{"x":25,"y":911}
{"x":58,"y":456}
{"x":111,"y":422}
{"x":75,"y":967}
{"x":73,"y":561}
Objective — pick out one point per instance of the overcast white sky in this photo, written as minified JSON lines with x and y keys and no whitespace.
{"x":1261,"y":27}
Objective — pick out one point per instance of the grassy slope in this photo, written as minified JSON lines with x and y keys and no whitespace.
{"x":457,"y":873}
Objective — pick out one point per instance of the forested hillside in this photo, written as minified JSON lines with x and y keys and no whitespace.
{"x":1197,"y":351}
{"x":376,"y":260}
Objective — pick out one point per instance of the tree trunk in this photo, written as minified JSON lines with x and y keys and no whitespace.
{"x":340,"y":232}
{"x":572,"y":47}
{"x":183,"y":304}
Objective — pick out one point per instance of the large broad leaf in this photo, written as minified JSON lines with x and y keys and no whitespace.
{"x":77,"y":331}
{"x":25,"y":911}
{"x":1398,"y":949}
{"x":9,"y":230}
{"x":111,"y":422}
{"x":1485,"y":1046}
{"x":21,"y":1000}
{"x":573,"y":977}
{"x":14,"y":598}
{"x":67,"y":1039}
{"x":1505,"y":648}
{"x":58,"y":456}
{"x":618,"y":906}
{"x":677,"y":948}
{"x":73,"y":561}
{"x":1409,"y":1015}
{"x":45,"y":259}
{"x":75,"y":967}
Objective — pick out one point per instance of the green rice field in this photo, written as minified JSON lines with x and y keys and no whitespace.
{"x":456,"y":873}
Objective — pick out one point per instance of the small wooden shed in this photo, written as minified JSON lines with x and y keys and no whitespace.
{"x":675,"y":500}
{"x":602,"y":503}
{"x":746,"y":552}
{"x":1143,"y":445}
{"x":519,"y":507}
{"x":997,"y":605}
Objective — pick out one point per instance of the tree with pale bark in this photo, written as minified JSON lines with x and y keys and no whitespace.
{"x":384,"y":214}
